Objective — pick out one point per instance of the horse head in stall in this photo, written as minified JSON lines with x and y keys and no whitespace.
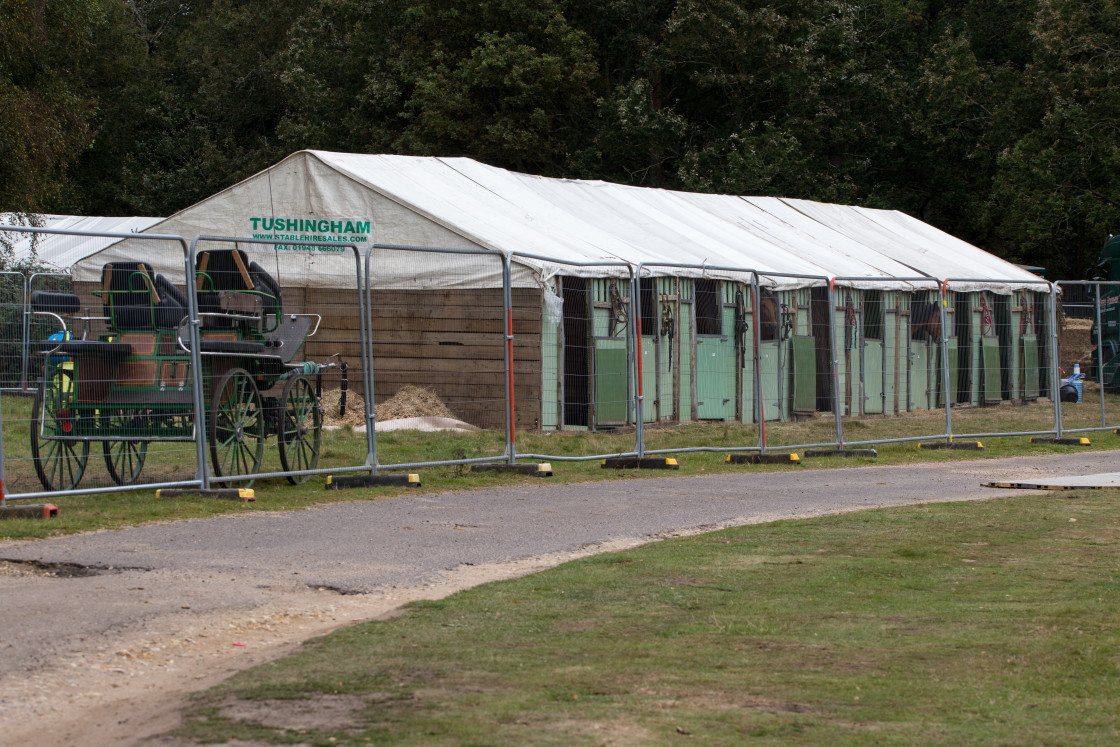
{"x":925,"y":321}
{"x":768,"y":314}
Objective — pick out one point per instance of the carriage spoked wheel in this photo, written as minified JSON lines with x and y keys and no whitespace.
{"x":301,"y":428}
{"x":59,"y":463}
{"x":125,"y":458}
{"x":237,"y":427}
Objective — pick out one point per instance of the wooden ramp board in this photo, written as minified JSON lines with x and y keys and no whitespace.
{"x":1076,"y":482}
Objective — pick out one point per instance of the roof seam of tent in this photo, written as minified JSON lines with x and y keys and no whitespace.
{"x":917,"y":271}
{"x":607,"y":251}
{"x":407,"y":205}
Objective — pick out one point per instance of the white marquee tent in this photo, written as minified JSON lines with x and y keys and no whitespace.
{"x":62,"y":251}
{"x":460,"y":203}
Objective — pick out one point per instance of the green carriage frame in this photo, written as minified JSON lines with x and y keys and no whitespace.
{"x":132,"y":386}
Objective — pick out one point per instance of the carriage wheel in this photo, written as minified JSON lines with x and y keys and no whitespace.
{"x":59,"y":464}
{"x":301,"y":428}
{"x":125,"y":459}
{"x":237,"y":426}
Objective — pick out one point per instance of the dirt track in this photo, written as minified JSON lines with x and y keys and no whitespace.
{"x":106,"y":649}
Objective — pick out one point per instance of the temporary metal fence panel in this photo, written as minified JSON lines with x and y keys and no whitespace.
{"x":1003,"y":369}
{"x":444,"y":329}
{"x":111,"y":408}
{"x":1088,"y":342}
{"x":13,"y":331}
{"x":38,"y":327}
{"x":694,"y":334}
{"x":577,"y":393}
{"x":893,"y":346}
{"x":797,"y":343}
{"x":281,"y":344}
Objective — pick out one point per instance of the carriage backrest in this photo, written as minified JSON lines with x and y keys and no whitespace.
{"x":223,"y":274}
{"x":133,"y":297}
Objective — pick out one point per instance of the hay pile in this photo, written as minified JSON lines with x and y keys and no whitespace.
{"x":409,"y":402}
{"x":412,"y":402}
{"x":1075,"y":344}
{"x":355,"y":408}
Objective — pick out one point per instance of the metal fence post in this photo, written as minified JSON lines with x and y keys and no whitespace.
{"x":26,"y":334}
{"x":834,"y":355}
{"x":507,"y":297}
{"x":1100,"y":349}
{"x":759,"y":405}
{"x":196,"y":366}
{"x":1055,"y":384}
{"x":636,"y":334}
{"x":944,"y":314}
{"x":367,"y":376}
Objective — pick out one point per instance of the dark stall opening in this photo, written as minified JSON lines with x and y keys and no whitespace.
{"x":819,"y":310}
{"x":576,"y":293}
{"x":962,"y":325}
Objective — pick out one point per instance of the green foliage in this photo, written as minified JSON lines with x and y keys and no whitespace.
{"x":994,"y":121}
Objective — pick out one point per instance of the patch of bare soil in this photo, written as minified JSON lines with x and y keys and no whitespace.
{"x":409,"y":402}
{"x":321,"y":712}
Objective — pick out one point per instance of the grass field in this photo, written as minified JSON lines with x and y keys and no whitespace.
{"x":979,"y":623}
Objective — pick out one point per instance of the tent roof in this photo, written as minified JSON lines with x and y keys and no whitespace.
{"x":62,"y":251}
{"x":594,"y":221}
{"x":422,"y":201}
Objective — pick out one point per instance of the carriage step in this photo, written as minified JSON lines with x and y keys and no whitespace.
{"x":245,"y":495}
{"x":370,"y":481}
{"x":36,"y":511}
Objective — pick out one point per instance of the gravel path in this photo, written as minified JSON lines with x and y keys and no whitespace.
{"x":141,"y":615}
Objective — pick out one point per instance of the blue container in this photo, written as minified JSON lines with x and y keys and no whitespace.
{"x":58,"y":337}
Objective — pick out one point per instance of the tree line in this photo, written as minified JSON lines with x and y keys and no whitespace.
{"x":996,"y":121}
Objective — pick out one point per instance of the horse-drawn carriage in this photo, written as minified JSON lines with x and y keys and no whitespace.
{"x":133,"y":385}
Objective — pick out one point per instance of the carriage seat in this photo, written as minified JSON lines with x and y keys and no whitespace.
{"x":87,"y":349}
{"x":228,"y":283}
{"x":63,"y":304}
{"x":135,"y":298}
